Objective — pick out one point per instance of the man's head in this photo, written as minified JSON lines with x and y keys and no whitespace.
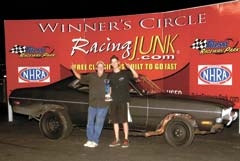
{"x":100,"y":66}
{"x":114,"y":60}
{"x":114,"y":57}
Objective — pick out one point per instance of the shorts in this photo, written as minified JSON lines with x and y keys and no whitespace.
{"x":118,"y":112}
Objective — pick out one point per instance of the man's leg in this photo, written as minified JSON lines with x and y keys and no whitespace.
{"x":116,"y":131}
{"x":125,"y":143}
{"x":125,"y":111}
{"x":90,"y":124}
{"x":100,"y":118}
{"x":116,"y":142}
{"x":114,"y":118}
{"x":125,"y":130}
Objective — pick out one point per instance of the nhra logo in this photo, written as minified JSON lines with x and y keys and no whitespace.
{"x":33,"y":74}
{"x":215,"y":74}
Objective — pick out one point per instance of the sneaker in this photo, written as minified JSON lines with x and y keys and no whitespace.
{"x":114,"y":143}
{"x":125,"y":143}
{"x":93,"y":145}
{"x":87,"y":143}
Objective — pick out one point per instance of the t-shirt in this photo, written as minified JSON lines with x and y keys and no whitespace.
{"x":119,"y":83}
{"x":96,"y":89}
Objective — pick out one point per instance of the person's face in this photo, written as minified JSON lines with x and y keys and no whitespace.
{"x":114,"y":63}
{"x":100,"y":68}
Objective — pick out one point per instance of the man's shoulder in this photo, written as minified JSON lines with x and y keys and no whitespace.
{"x":125,"y":71}
{"x":105,"y":75}
{"x":91,"y":75}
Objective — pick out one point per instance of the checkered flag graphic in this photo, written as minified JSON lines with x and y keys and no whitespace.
{"x":199,"y":44}
{"x":18,"y":49}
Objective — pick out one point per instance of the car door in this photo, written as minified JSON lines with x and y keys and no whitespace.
{"x":138,"y":110}
{"x":159,"y":107}
{"x":78,"y":106}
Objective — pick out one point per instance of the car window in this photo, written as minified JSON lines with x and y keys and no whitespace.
{"x":133,"y":89}
{"x":83,"y":88}
{"x":76,"y":85}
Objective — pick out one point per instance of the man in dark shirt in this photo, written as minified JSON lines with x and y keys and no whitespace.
{"x":98,"y":108}
{"x":119,"y":107}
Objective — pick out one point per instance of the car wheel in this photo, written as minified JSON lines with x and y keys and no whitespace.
{"x":179,"y":132}
{"x":55,"y":124}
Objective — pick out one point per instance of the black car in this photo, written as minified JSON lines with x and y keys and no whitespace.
{"x":64,"y":104}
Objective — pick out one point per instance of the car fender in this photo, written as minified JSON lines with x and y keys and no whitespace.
{"x":161,"y":126}
{"x":39,"y":110}
{"x":51,"y":107}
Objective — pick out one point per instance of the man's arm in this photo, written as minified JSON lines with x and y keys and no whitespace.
{"x":78,"y":75}
{"x":135,"y":74}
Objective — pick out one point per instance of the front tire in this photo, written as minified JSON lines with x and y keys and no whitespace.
{"x":55,"y":124}
{"x":179,"y":132}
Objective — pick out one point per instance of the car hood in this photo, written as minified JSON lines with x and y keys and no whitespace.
{"x":207,"y":99}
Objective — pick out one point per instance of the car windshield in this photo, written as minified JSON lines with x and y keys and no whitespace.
{"x":77,"y":85}
{"x":147,"y":86}
{"x":141,"y":86}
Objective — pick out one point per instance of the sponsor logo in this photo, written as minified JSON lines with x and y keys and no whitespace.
{"x":33,"y":74}
{"x":32,"y":52}
{"x":215,"y":74}
{"x":159,"y":47}
{"x":209,"y":46}
{"x":174,"y":91}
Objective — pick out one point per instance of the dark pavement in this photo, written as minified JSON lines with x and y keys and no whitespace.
{"x":21,"y":140}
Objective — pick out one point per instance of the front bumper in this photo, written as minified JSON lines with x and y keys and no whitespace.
{"x":229,"y":115}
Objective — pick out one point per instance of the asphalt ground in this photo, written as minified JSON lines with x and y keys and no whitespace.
{"x":21,"y":140}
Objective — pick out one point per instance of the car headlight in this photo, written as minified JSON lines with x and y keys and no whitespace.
{"x":219,"y":120}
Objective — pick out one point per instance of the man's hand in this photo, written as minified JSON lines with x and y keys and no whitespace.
{"x":73,"y":67}
{"x":135,"y":74}
{"x":78,"y":75}
{"x":128,"y":65}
